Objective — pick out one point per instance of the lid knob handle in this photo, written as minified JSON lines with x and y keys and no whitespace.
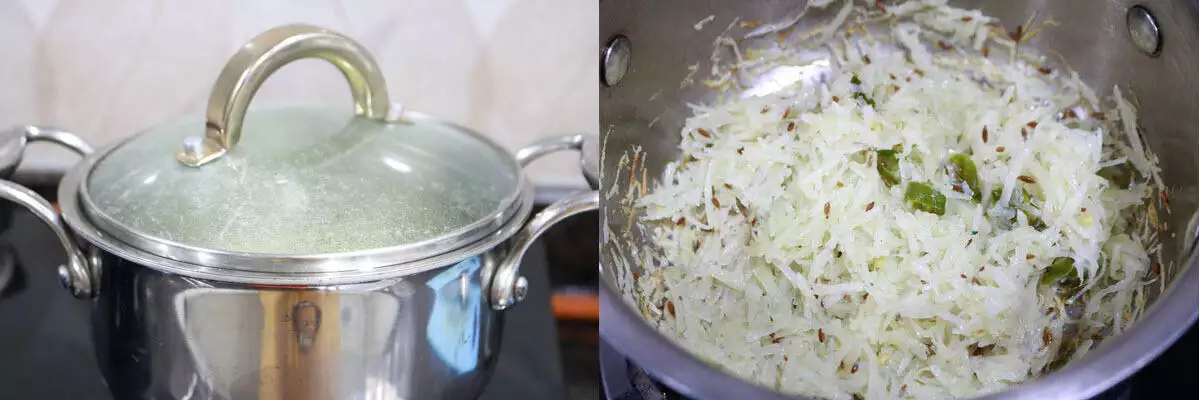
{"x":257,"y":60}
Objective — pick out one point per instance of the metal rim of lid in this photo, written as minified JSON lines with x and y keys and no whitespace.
{"x":293,"y":264}
{"x":335,"y":269}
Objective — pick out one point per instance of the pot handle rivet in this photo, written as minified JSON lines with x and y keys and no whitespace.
{"x":1143,"y":30}
{"x":520,"y":288}
{"x":615,"y":60}
{"x":257,"y":60}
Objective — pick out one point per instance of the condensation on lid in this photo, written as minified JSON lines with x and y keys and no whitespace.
{"x":306,"y":181}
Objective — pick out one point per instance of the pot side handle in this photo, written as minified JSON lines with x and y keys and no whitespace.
{"x":60,"y":137}
{"x":531,"y":153}
{"x":75,"y":275}
{"x":507,"y":286}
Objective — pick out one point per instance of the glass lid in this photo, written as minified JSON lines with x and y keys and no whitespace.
{"x":319,"y":188}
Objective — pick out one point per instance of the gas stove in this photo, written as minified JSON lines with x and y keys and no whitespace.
{"x":1168,"y":376}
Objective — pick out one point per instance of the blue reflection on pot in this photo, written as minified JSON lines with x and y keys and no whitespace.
{"x":454,"y":323}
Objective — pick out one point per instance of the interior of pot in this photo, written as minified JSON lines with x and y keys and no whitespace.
{"x":643,"y":113}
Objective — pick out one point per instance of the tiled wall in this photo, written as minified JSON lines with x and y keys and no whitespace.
{"x":517,"y":70}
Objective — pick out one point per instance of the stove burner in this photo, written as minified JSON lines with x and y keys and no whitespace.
{"x":625,"y":381}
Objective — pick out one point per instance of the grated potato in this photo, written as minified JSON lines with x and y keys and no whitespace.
{"x":784,"y":254}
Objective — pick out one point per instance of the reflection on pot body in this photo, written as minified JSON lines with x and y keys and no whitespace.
{"x":424,"y":336}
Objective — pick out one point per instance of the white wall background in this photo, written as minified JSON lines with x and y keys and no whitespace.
{"x":517,"y":70}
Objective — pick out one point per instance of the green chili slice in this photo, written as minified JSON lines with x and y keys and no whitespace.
{"x":888,"y":164}
{"x":1119,"y":175}
{"x":1034,"y":221}
{"x":1058,"y":269}
{"x":1027,"y":200}
{"x":922,"y":197}
{"x":963,"y":170}
{"x":864,"y":98}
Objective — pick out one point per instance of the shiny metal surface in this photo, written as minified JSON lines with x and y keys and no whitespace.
{"x":74,"y":215}
{"x":591,"y":161}
{"x":1143,"y":30}
{"x":262,"y":56}
{"x":429,"y":335}
{"x":76,"y":274}
{"x":549,"y":145}
{"x":49,"y":352}
{"x":14,"y":140}
{"x":614,"y":60}
{"x":172,"y":320}
{"x":507,"y":286}
{"x":422,"y":335}
{"x":647,"y":110}
{"x":588,"y":147}
{"x":167,"y":329}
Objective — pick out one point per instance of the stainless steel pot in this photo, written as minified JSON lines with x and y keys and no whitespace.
{"x":327,"y":256}
{"x":1148,"y":49}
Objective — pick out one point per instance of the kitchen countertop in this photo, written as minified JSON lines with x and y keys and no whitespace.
{"x":46,"y":350}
